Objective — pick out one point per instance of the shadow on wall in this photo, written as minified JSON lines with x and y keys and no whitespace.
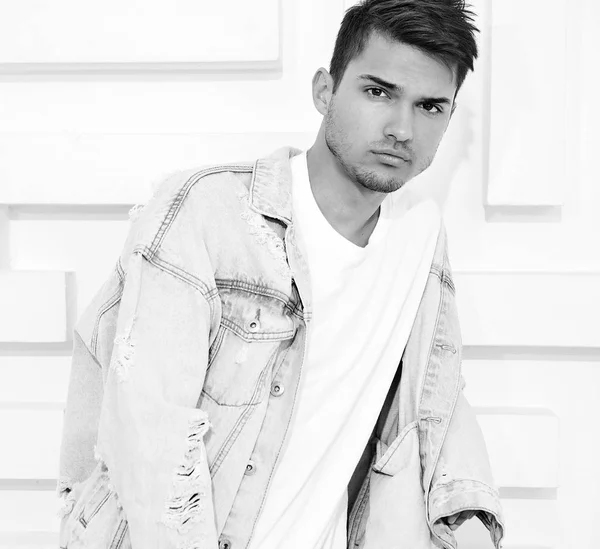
{"x":4,"y":237}
{"x":454,"y":149}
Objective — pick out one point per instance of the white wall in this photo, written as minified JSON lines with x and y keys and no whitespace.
{"x":95,"y":109}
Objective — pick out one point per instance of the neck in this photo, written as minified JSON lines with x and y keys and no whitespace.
{"x":351,"y":209}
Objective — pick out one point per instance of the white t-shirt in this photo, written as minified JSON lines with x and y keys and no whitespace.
{"x":364,"y":303}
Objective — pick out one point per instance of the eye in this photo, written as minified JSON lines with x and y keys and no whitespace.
{"x":431,"y":108}
{"x":376,"y":92}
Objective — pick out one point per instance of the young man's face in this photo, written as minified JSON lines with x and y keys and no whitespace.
{"x":392,"y":99}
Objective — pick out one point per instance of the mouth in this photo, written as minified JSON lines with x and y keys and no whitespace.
{"x":391,"y":158}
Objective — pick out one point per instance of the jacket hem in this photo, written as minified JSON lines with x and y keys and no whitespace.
{"x":465,"y":495}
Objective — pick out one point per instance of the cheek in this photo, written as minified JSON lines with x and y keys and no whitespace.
{"x":347,"y":119}
{"x":355,"y":120}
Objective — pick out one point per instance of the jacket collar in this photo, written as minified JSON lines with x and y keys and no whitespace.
{"x":271,"y":195}
{"x":271,"y":186}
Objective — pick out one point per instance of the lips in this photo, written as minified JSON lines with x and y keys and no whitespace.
{"x":396,"y":154}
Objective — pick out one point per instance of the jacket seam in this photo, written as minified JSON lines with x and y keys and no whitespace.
{"x":260,"y":290}
{"x":197,"y":284}
{"x":215,"y":347}
{"x":486,"y":520}
{"x":244,"y":405}
{"x":444,"y":277}
{"x":107,"y":306}
{"x":427,"y":372}
{"x":431,"y":346}
{"x":261,"y":336}
{"x":485,"y":487}
{"x":94,"y":358}
{"x":285,"y":354}
{"x":397,"y":444}
{"x":471,"y":508}
{"x":466,"y":508}
{"x":273,"y":215}
{"x":242,"y":420}
{"x":177,"y":202}
{"x":361,"y":503}
{"x":209,"y":296}
{"x":120,"y":270}
{"x":287,"y":427}
{"x":117,"y":542}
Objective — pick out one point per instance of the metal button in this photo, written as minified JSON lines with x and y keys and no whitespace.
{"x":277,"y":389}
{"x":224,"y":543}
{"x":250,"y":468}
{"x":254,"y":325}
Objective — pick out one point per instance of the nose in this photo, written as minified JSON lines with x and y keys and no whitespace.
{"x":400,"y":124}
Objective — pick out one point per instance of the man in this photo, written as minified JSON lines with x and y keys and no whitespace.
{"x":275,"y":361}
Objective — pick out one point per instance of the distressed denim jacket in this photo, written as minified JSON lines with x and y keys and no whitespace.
{"x":185,"y":374}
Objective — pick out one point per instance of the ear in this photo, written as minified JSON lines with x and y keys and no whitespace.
{"x":454,"y":105}
{"x":322,"y":90}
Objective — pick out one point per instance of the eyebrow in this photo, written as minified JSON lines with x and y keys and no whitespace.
{"x":398,"y":89}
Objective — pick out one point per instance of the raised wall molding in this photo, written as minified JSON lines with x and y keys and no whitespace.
{"x":529,"y":309}
{"x":36,"y":306}
{"x":51,"y":375}
{"x":527,"y":104}
{"x":522,"y":444}
{"x":23,"y":512}
{"x":30,"y":540}
{"x":516,"y":437}
{"x":117,"y":35}
{"x":32,"y":438}
{"x":531,"y":523}
{"x":117,"y":169}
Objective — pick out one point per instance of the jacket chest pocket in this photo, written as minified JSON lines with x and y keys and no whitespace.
{"x":254,"y":331}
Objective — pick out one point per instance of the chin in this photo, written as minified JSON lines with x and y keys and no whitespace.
{"x":383,"y":185}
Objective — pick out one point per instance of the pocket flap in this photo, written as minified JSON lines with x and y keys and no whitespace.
{"x":390,"y":460}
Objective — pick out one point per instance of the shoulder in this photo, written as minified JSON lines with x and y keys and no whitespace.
{"x":181,"y":197}
{"x":177,"y":186}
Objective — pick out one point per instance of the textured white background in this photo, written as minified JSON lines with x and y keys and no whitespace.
{"x":96,"y":106}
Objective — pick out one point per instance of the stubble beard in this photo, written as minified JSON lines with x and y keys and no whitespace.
{"x":366,"y":178}
{"x":340,"y":149}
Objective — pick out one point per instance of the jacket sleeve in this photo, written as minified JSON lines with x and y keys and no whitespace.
{"x":150,"y":434}
{"x":92,"y":346}
{"x":463,"y":480}
{"x":139,"y":363}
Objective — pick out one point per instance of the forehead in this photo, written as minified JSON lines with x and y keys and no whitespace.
{"x":403,"y":65}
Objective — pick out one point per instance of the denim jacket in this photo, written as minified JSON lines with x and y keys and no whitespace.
{"x":185,"y":373}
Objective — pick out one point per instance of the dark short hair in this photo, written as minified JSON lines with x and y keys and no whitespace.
{"x":443,"y":29}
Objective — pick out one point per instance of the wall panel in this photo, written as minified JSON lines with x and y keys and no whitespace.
{"x":118,"y":33}
{"x":527,"y":162}
{"x":91,"y":124}
{"x":32,"y":438}
{"x":516,"y":439}
{"x":118,"y":168}
{"x":34,"y":306}
{"x":28,"y":511}
{"x":523,"y":446}
{"x":30,"y":540}
{"x":529,"y":308}
{"x":33,"y":379}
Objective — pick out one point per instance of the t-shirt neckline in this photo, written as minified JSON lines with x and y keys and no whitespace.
{"x":338,"y":241}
